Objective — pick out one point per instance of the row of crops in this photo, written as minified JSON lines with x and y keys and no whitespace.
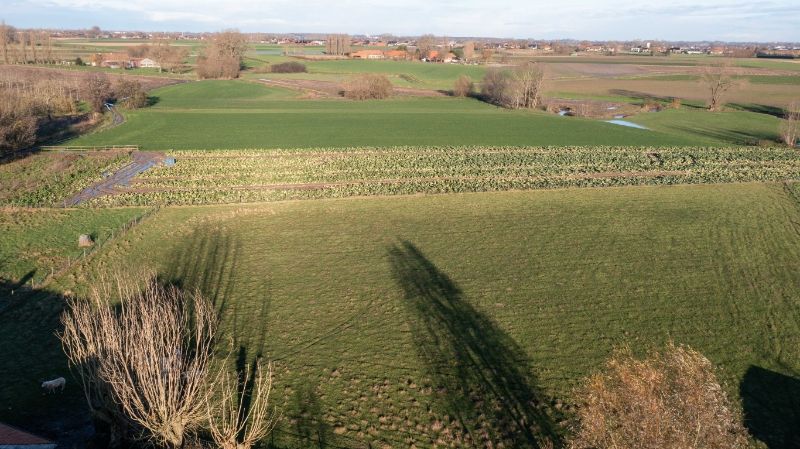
{"x":47,"y":179}
{"x":203,"y":177}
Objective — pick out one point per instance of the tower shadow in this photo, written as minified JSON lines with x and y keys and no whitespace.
{"x":481,"y":374}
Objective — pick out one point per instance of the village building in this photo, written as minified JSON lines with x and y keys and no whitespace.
{"x":368,"y":54}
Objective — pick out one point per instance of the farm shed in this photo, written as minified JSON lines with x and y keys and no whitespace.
{"x":12,"y":438}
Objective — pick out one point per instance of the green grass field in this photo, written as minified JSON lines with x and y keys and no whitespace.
{"x":237,"y":114}
{"x":406,"y":320}
{"x":37,"y":242}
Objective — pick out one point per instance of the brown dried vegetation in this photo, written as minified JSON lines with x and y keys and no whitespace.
{"x":668,"y":400}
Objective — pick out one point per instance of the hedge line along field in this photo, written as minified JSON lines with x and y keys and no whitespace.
{"x":201,"y":115}
{"x":37,"y":242}
{"x":442,"y":320}
{"x":47,"y":178}
{"x":205,"y":177}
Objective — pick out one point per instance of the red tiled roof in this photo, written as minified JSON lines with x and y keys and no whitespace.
{"x":12,"y":436}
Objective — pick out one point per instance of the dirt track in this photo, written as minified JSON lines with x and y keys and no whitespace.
{"x":142,"y":160}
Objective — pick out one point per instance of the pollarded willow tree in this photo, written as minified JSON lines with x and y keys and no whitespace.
{"x":146,"y":360}
{"x":147,"y":367}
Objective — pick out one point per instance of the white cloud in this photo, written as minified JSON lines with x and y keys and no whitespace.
{"x":592,"y":19}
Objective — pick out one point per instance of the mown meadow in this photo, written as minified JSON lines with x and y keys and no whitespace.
{"x":240,"y":115}
{"x":412,"y":320}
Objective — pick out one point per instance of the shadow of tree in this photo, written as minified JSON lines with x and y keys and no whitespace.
{"x":480,"y":372}
{"x":206,"y":260}
{"x":759,"y":109}
{"x":30,"y":352}
{"x":771,"y":402}
{"x":310,"y":428}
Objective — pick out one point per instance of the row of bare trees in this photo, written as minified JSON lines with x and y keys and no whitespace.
{"x":337,"y":44}
{"x":149,"y":373}
{"x":25,"y":47}
{"x":32,"y":98}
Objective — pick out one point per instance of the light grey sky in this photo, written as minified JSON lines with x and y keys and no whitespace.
{"x":730,"y":20}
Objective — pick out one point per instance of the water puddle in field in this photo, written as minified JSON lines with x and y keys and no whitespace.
{"x":627,"y":123}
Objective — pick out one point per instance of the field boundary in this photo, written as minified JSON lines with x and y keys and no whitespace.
{"x":88,"y":252}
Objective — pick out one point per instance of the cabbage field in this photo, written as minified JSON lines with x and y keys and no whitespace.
{"x":232,"y":176}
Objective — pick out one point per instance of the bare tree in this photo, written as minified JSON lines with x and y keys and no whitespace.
{"x":425,"y":44}
{"x":469,"y":50}
{"x":669,"y":400}
{"x":789,"y":128}
{"x":718,"y":80}
{"x":519,"y":88}
{"x":98,"y":91}
{"x":337,"y":44}
{"x":243,"y":416}
{"x":7,"y":34}
{"x":463,"y":86}
{"x":152,"y":356}
{"x":486,"y":54}
{"x":130,"y":93}
{"x":223,"y":57}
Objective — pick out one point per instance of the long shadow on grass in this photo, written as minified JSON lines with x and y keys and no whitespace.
{"x":206,"y":261}
{"x":480,"y":372}
{"x":30,"y":353}
{"x":771,"y":403}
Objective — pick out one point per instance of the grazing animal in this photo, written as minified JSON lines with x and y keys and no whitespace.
{"x":51,"y":385}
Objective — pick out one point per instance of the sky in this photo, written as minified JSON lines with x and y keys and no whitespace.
{"x":725,"y":20}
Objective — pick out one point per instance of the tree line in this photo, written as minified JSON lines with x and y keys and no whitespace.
{"x":33,"y":99}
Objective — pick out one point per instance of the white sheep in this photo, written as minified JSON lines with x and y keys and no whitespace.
{"x":51,"y":385}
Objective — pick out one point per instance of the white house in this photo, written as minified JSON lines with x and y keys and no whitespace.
{"x":149,"y":63}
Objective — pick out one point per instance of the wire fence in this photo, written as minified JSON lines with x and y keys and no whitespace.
{"x":87,"y":252}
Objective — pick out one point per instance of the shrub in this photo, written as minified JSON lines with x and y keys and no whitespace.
{"x":368,"y":87}
{"x":289,"y":67}
{"x":669,"y":400}
{"x":517,"y":88}
{"x":463,"y":86}
{"x":131,"y":94}
{"x":98,"y":91}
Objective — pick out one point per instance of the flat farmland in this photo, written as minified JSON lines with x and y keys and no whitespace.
{"x":237,"y":176}
{"x":414,"y":320}
{"x":201,"y":115}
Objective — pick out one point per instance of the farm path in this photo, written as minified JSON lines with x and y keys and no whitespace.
{"x":142,"y":160}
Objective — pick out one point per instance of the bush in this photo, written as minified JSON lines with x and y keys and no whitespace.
{"x":368,"y":87}
{"x":131,"y":94}
{"x":517,"y":88}
{"x":463,"y":86}
{"x":669,"y":400}
{"x":289,"y":67}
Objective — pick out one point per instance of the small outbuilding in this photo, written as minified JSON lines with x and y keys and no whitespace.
{"x":13,"y":438}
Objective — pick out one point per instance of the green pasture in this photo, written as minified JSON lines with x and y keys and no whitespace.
{"x":239,"y":114}
{"x":38,"y":242}
{"x":436,"y":319}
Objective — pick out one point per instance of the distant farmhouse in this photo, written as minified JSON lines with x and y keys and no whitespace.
{"x":122,"y":61}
